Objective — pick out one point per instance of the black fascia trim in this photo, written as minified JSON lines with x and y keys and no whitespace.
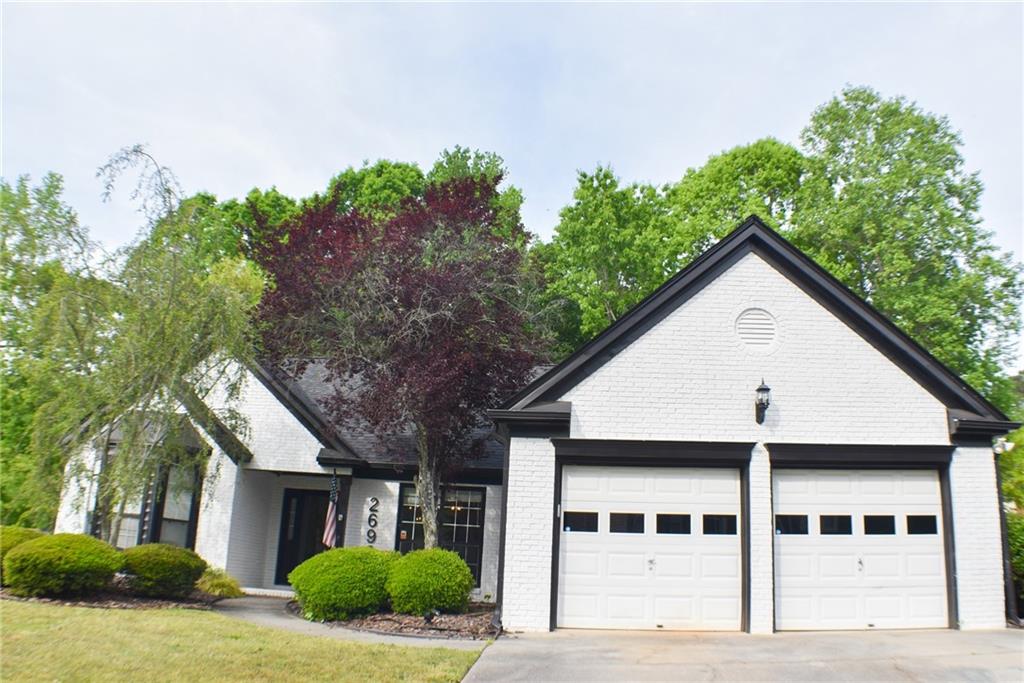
{"x":854,"y":456}
{"x":949,"y":547}
{"x":301,"y":408}
{"x":503,"y":436}
{"x":556,"y":533}
{"x":386,"y":472}
{"x":641,"y":452}
{"x":964,"y":429}
{"x":529,"y":416}
{"x":328,"y":457}
{"x":531,"y":431}
{"x":754,"y":236}
{"x":524,"y":422}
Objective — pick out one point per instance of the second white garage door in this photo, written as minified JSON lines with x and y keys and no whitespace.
{"x":649,"y":548}
{"x":858,"y":549}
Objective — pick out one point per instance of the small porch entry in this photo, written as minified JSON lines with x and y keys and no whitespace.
{"x":303,"y":515}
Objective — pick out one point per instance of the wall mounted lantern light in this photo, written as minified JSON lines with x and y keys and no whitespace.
{"x":762,"y":399}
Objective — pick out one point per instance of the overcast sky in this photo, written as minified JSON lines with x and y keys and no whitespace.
{"x":233,"y":96}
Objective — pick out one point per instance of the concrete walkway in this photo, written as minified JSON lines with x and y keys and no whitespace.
{"x":271,"y":611}
{"x":577,"y":655}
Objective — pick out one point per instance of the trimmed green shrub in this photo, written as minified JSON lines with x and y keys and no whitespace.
{"x":13,"y":536}
{"x":219,"y":583}
{"x":426,"y":580}
{"x":342,"y":583}
{"x":162,"y":570}
{"x":1015,"y":536}
{"x":62,"y":564}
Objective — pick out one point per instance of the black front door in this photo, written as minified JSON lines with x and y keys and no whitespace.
{"x":302,"y":529}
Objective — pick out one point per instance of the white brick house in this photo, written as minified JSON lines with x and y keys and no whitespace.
{"x":261,"y":511}
{"x":643,"y":488}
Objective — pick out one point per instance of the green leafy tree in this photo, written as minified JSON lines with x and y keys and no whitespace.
{"x":1011,"y":462}
{"x":258,"y":216}
{"x":761,"y":178}
{"x":42,"y":249}
{"x":888,"y":207}
{"x":40,"y":238}
{"x":376,"y":190}
{"x":560,"y":315}
{"x":461,"y":162}
{"x":610,"y":248}
{"x":158,"y":326}
{"x":615,"y":244}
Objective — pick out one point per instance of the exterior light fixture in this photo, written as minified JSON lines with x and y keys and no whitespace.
{"x":762,"y":399}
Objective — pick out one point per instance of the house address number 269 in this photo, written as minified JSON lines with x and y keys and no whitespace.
{"x":371,"y":521}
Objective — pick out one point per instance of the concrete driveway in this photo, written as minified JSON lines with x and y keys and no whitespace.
{"x":583,"y":656}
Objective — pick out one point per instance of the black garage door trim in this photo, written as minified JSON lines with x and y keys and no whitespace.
{"x":879,"y":457}
{"x":629,"y":453}
{"x":855,"y":456}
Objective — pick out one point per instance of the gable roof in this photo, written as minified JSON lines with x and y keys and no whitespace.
{"x":301,"y":406}
{"x":753,"y":236}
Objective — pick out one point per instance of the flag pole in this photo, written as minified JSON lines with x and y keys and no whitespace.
{"x":334,"y":498}
{"x":330,"y":537}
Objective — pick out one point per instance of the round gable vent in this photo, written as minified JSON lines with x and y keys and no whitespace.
{"x":756,"y":328}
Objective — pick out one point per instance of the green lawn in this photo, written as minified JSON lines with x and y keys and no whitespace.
{"x":48,"y":642}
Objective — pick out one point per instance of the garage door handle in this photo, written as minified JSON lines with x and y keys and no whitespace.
{"x":860,"y":564}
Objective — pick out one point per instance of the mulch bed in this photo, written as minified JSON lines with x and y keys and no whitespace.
{"x":474,"y":624}
{"x":118,"y":597}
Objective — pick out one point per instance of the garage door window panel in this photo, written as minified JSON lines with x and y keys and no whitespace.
{"x":879,"y":525}
{"x":835,"y":525}
{"x":719,"y":525}
{"x":626,"y":522}
{"x":791,"y":525}
{"x":580,"y":522}
{"x":922,"y":525}
{"x":673,"y":524}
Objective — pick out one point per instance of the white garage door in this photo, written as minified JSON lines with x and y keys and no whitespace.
{"x":649,"y":548}
{"x":858,"y":549}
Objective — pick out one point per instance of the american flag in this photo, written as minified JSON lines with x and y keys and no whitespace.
{"x":330,"y":538}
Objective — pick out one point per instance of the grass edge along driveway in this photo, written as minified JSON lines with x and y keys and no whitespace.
{"x":52,"y":642}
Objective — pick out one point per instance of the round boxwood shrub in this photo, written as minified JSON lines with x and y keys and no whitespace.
{"x":342,"y":583}
{"x":162,"y":570}
{"x":62,"y":564}
{"x":13,"y":536}
{"x":427,"y":580}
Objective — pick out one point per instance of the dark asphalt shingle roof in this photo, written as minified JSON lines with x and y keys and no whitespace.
{"x":313,"y":389}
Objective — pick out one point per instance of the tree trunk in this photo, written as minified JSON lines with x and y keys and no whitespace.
{"x":115,"y":527}
{"x":102,"y":507}
{"x":428,"y":488}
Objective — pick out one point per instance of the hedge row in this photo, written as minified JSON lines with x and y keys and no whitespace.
{"x":35,"y":564}
{"x":348,"y":582}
